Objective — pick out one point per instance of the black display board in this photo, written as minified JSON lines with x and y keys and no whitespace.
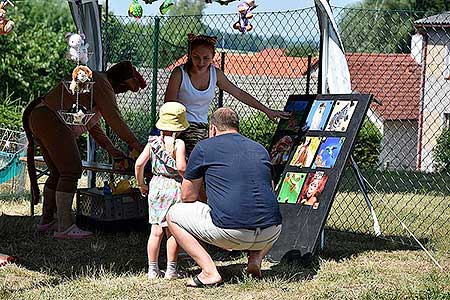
{"x":313,"y":163}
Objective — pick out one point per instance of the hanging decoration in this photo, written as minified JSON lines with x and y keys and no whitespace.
{"x":6,"y":26}
{"x":245,"y":14}
{"x":165,"y":6}
{"x":135,"y":10}
{"x":78,"y":49}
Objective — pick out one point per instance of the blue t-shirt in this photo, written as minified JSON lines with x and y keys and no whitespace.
{"x":238,"y":177}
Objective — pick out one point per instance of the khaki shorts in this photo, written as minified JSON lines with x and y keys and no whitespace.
{"x":195,"y":218}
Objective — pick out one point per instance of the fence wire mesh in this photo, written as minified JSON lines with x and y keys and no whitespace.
{"x":401,"y":57}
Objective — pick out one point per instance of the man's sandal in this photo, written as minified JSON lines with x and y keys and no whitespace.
{"x":199,"y":284}
{"x":73,"y":232}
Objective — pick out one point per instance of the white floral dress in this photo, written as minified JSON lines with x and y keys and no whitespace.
{"x":165,"y":185}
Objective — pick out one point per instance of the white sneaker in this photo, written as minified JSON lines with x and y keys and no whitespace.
{"x":154,"y":274}
{"x":173,"y":275}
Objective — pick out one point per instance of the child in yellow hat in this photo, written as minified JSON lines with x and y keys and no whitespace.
{"x":168,"y":160}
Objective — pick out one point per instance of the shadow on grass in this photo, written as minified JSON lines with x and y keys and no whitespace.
{"x":125,"y":252}
{"x":117,"y":253}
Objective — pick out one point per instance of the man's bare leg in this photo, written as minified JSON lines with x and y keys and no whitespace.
{"x":255,"y":258}
{"x":189,"y":243}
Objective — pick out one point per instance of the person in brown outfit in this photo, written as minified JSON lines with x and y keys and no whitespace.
{"x":57,"y":141}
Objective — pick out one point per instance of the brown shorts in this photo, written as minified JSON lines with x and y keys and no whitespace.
{"x":195,"y":133}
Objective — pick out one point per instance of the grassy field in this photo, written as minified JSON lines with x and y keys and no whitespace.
{"x":113,"y":266}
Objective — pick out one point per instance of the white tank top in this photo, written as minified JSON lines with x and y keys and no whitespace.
{"x":197,"y":102}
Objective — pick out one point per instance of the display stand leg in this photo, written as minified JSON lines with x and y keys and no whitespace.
{"x":363,"y":188}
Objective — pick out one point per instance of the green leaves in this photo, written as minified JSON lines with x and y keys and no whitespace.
{"x":33,"y":55}
{"x":441,"y":152}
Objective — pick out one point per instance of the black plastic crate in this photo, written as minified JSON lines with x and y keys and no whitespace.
{"x":98,"y":207}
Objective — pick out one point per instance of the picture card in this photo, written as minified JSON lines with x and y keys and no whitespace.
{"x":328,"y":152}
{"x":313,"y":187}
{"x":280,"y":150}
{"x":291,"y":185}
{"x":318,"y":114}
{"x":341,"y":115}
{"x":304,"y":154}
{"x":298,"y":110}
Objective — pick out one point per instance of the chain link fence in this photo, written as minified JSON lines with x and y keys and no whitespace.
{"x":402,"y":58}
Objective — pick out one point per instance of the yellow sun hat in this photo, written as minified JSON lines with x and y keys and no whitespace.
{"x":172,"y":117}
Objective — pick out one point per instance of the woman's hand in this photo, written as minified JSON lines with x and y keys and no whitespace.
{"x":278,"y":114}
{"x":143,"y":188}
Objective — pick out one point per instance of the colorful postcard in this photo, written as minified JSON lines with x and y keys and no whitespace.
{"x":318,"y":114}
{"x":291,"y":185}
{"x":312,"y":189}
{"x":328,"y":152}
{"x":298,"y":111}
{"x":341,"y":115}
{"x":304,"y":154}
{"x":280,"y":150}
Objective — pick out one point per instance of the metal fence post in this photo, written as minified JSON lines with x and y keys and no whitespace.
{"x":155,"y":69}
{"x":222,"y":67}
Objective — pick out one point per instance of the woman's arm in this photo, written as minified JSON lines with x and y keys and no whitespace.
{"x":226,"y":85}
{"x":180,"y":156}
{"x":173,"y":86}
{"x":100,"y":137}
{"x":139,"y":169}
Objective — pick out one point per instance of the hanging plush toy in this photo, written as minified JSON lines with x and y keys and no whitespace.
{"x":165,"y":6}
{"x":6,"y":26}
{"x":78,"y":50}
{"x":149,"y":1}
{"x":81,"y":76}
{"x":245,"y":14}
{"x":135,"y":10}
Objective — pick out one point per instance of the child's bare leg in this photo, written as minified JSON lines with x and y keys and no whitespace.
{"x":172,"y":254}
{"x":153,"y":245}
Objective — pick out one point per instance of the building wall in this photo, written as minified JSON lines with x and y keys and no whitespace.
{"x":399,"y":145}
{"x":436,"y":99}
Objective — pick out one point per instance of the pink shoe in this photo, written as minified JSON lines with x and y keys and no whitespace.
{"x":52,"y":226}
{"x":73,"y":232}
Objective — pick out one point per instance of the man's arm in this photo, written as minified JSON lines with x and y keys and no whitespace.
{"x":190,"y":189}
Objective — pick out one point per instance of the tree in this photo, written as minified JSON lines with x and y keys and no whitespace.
{"x":34,"y":55}
{"x":383,"y":26}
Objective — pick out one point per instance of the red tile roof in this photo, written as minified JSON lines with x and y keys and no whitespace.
{"x":393,"y":79}
{"x":268,"y":62}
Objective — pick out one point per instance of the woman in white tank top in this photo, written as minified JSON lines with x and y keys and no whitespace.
{"x":193,"y":84}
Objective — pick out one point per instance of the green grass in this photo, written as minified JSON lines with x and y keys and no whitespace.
{"x":113,"y":266}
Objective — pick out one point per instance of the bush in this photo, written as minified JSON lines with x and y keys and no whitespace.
{"x":368,"y":146}
{"x":259,"y":128}
{"x":10,"y":112}
{"x":441,"y":152}
{"x":33,"y":54}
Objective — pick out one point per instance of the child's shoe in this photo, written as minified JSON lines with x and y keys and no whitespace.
{"x":152,"y":274}
{"x":172,"y":275}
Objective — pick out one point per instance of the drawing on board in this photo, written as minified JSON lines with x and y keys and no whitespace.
{"x":280,"y":150}
{"x":318,"y":114}
{"x":341,"y":115}
{"x":312,"y":189}
{"x":291,"y":185}
{"x":328,"y":152}
{"x":298,"y":109}
{"x":304,"y":154}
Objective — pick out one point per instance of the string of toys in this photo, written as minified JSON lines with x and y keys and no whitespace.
{"x":244,"y":8}
{"x":81,"y":82}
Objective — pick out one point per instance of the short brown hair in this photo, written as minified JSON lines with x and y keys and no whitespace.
{"x":225,"y":119}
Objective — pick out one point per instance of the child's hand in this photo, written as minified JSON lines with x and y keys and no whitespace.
{"x":143,"y":188}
